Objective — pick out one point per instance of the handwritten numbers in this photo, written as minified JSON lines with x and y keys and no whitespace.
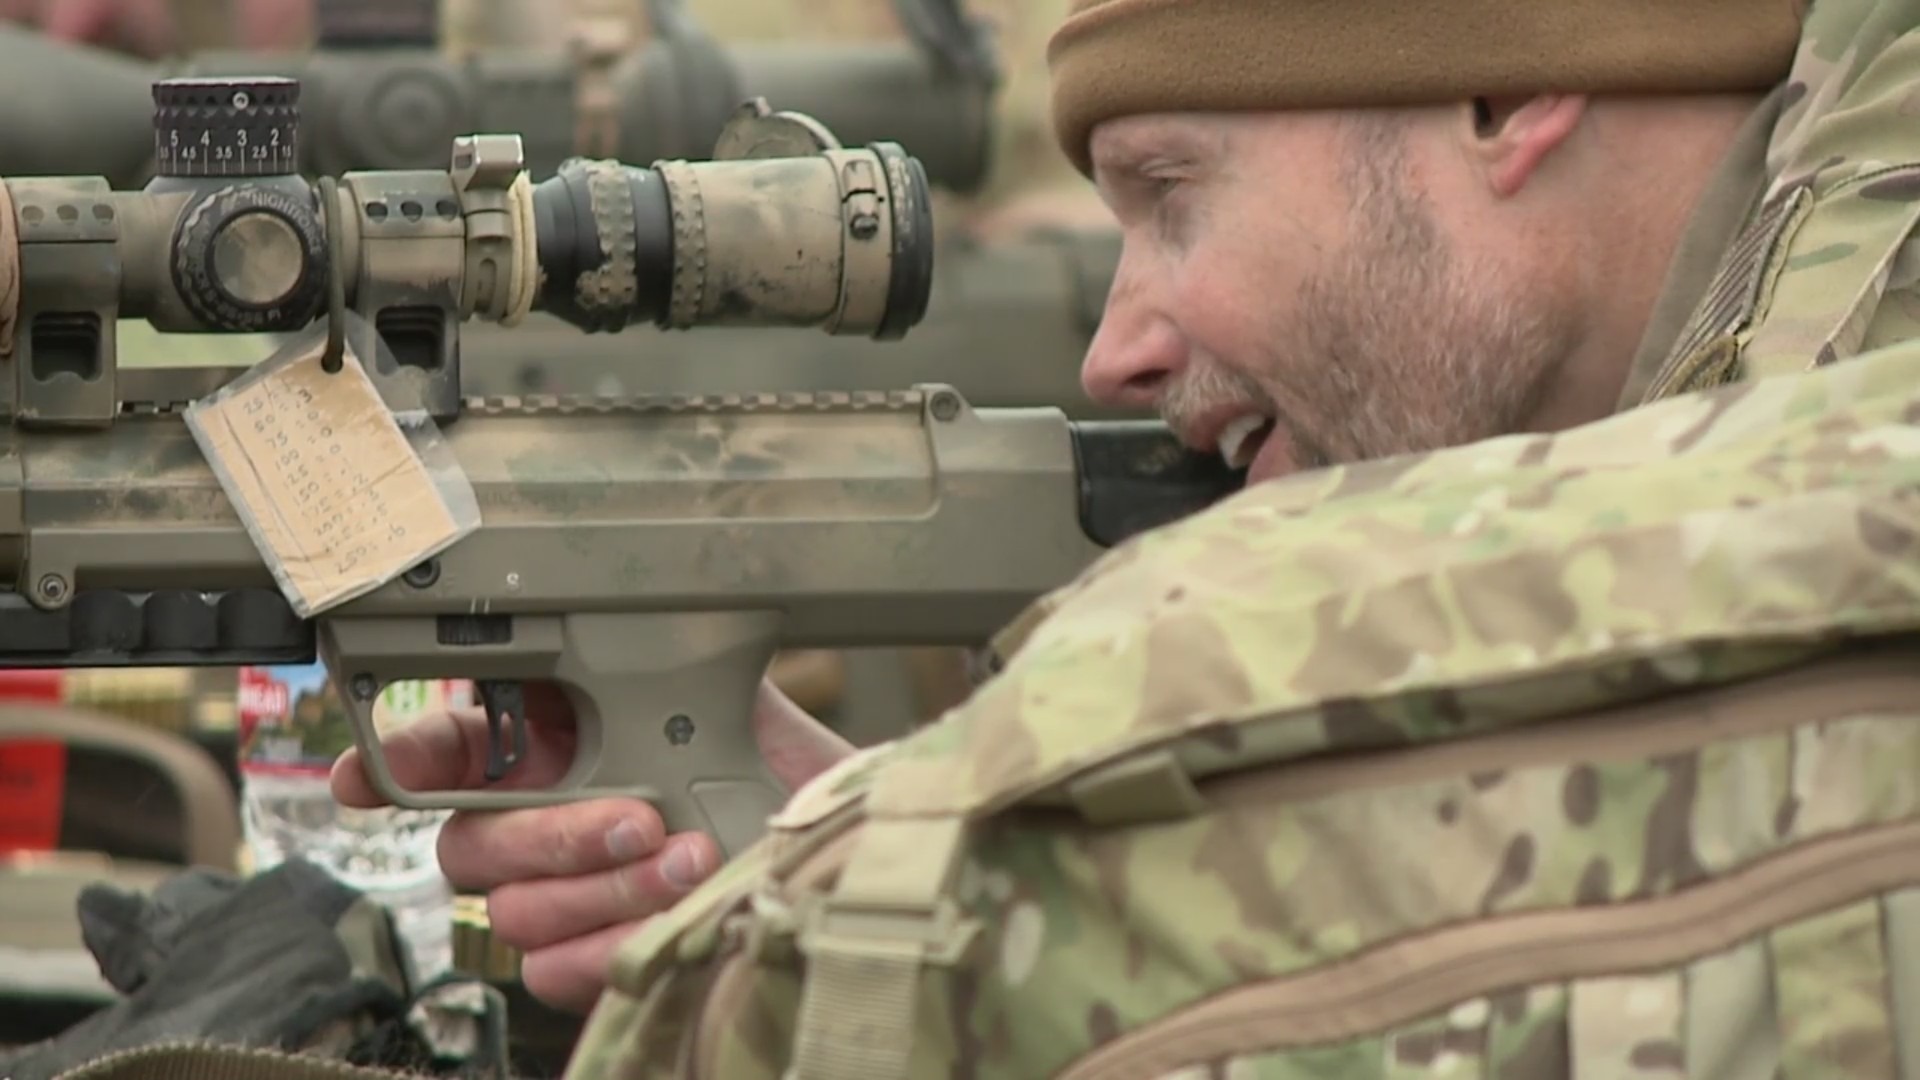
{"x":330,"y":487}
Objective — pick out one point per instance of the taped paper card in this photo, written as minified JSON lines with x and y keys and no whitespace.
{"x":340,"y":493}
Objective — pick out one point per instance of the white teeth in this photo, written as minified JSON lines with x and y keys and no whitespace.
{"x":1236,"y":440}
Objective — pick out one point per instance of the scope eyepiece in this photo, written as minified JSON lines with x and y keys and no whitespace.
{"x":841,"y":239}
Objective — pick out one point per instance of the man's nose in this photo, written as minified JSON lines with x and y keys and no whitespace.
{"x":1131,"y":358}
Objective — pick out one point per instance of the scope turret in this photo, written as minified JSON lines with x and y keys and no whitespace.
{"x":226,"y":128}
{"x":246,"y":256}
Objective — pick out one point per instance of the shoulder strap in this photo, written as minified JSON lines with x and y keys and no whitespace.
{"x":891,"y":914}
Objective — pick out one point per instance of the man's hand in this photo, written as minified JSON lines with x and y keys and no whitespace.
{"x":147,"y":27}
{"x":566,"y":884}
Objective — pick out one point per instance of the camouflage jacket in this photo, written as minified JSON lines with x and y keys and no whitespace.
{"x":1064,"y":861}
{"x":1073,"y":855}
{"x":1799,"y":252}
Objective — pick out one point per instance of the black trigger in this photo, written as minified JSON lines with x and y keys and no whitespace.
{"x":503,"y":700}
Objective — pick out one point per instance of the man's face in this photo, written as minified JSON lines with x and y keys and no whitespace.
{"x":1292,"y":293}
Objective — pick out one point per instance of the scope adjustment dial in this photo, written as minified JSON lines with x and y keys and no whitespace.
{"x":252,"y":258}
{"x":222,"y":128}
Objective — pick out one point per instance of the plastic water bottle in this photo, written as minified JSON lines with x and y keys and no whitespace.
{"x":293,"y":725}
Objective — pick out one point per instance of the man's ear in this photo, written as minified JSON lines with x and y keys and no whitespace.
{"x":1512,"y":136}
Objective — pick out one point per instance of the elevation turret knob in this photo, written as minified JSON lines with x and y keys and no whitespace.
{"x":219,"y":128}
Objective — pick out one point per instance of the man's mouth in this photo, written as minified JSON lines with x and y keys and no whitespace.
{"x":1240,"y":441}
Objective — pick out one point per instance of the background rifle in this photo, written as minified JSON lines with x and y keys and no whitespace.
{"x":647,"y":554}
{"x":386,"y":107}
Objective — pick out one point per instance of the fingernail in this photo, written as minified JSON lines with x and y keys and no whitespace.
{"x":682,"y":867}
{"x":626,"y":842}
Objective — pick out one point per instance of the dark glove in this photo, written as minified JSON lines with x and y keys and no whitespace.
{"x":289,"y":959}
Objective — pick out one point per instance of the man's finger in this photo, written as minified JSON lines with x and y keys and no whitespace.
{"x":530,"y":915}
{"x":449,"y":751}
{"x":480,"y":851}
{"x":570,"y":976}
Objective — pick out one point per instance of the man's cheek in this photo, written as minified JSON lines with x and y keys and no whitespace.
{"x":1224,"y":321}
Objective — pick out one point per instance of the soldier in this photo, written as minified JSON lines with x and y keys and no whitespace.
{"x":1443,"y":753}
{"x":1411,"y":231}
{"x":1307,"y":282}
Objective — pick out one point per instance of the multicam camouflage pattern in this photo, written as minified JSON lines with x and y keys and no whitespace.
{"x":1825,"y":267}
{"x":1327,"y":710}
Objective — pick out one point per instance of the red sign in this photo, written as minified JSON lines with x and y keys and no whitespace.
{"x":32,"y":684}
{"x":33,"y":790}
{"x":263,"y":698}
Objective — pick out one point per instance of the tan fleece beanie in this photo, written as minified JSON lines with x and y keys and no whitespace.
{"x":1121,"y":57}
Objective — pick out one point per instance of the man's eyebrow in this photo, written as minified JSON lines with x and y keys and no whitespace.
{"x":1117,"y":162}
{"x":1130,"y":153}
{"x":1122,"y":158}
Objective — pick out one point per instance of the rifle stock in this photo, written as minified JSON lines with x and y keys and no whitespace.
{"x":646,"y":555}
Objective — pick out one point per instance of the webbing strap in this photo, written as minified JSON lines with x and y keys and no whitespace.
{"x":856,"y":1018}
{"x":866,"y":944}
{"x":201,"y":1061}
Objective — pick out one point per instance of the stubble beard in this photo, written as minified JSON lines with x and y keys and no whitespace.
{"x":1401,"y":346}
